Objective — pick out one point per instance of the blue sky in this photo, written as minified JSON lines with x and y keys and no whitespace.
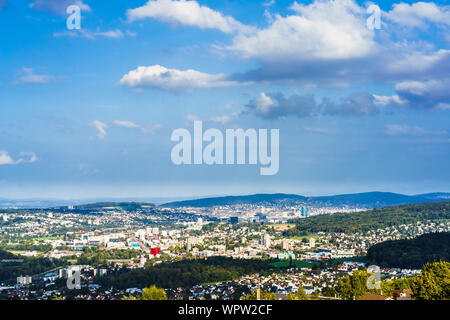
{"x":89,"y":112}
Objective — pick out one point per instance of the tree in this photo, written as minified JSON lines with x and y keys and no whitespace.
{"x":329,"y":292}
{"x":433,"y":283}
{"x":387,"y":287}
{"x":353,"y":286}
{"x":153,"y":293}
{"x":300,"y":294}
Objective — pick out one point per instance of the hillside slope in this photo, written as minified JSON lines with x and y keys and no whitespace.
{"x":372,"y":219}
{"x":367,"y":200}
{"x":411,"y":253}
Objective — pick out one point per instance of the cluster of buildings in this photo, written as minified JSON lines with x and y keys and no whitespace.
{"x":156,"y":236}
{"x":254,"y":213}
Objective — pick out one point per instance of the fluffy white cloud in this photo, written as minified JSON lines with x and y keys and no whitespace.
{"x":419,"y":14}
{"x":27,"y":157}
{"x":174,"y":80}
{"x":322,"y":44}
{"x":101,"y":128}
{"x":263,"y":104}
{"x":187,"y":13}
{"x":321,"y":30}
{"x":58,"y":6}
{"x":5,"y":158}
{"x":416,"y":63}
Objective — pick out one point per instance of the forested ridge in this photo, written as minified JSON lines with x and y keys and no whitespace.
{"x":369,"y":220}
{"x":411,"y":253}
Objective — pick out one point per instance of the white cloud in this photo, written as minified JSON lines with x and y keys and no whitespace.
{"x":263,"y":104}
{"x":418,"y":62}
{"x":388,"y":100}
{"x":92,"y":35}
{"x":324,"y":43}
{"x":221,"y":119}
{"x":174,"y":80}
{"x":26,"y":157}
{"x":30,"y":157}
{"x":126,"y":124}
{"x":419,"y":14}
{"x":113,"y":34}
{"x":425,"y":94}
{"x":132,"y":125}
{"x":187,"y":13}
{"x":28,"y":76}
{"x":58,"y":6}
{"x":419,"y":87}
{"x":269,"y":3}
{"x":317,"y":130}
{"x":5,"y":158}
{"x":428,"y":94}
{"x":396,"y":129}
{"x":321,"y":30}
{"x":101,"y":128}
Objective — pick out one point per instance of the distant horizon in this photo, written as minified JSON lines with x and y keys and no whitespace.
{"x":159,"y":200}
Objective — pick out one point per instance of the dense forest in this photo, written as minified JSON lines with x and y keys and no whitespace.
{"x":412,"y":253}
{"x":185,"y":273}
{"x":372,"y":219}
{"x":12,"y":266}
